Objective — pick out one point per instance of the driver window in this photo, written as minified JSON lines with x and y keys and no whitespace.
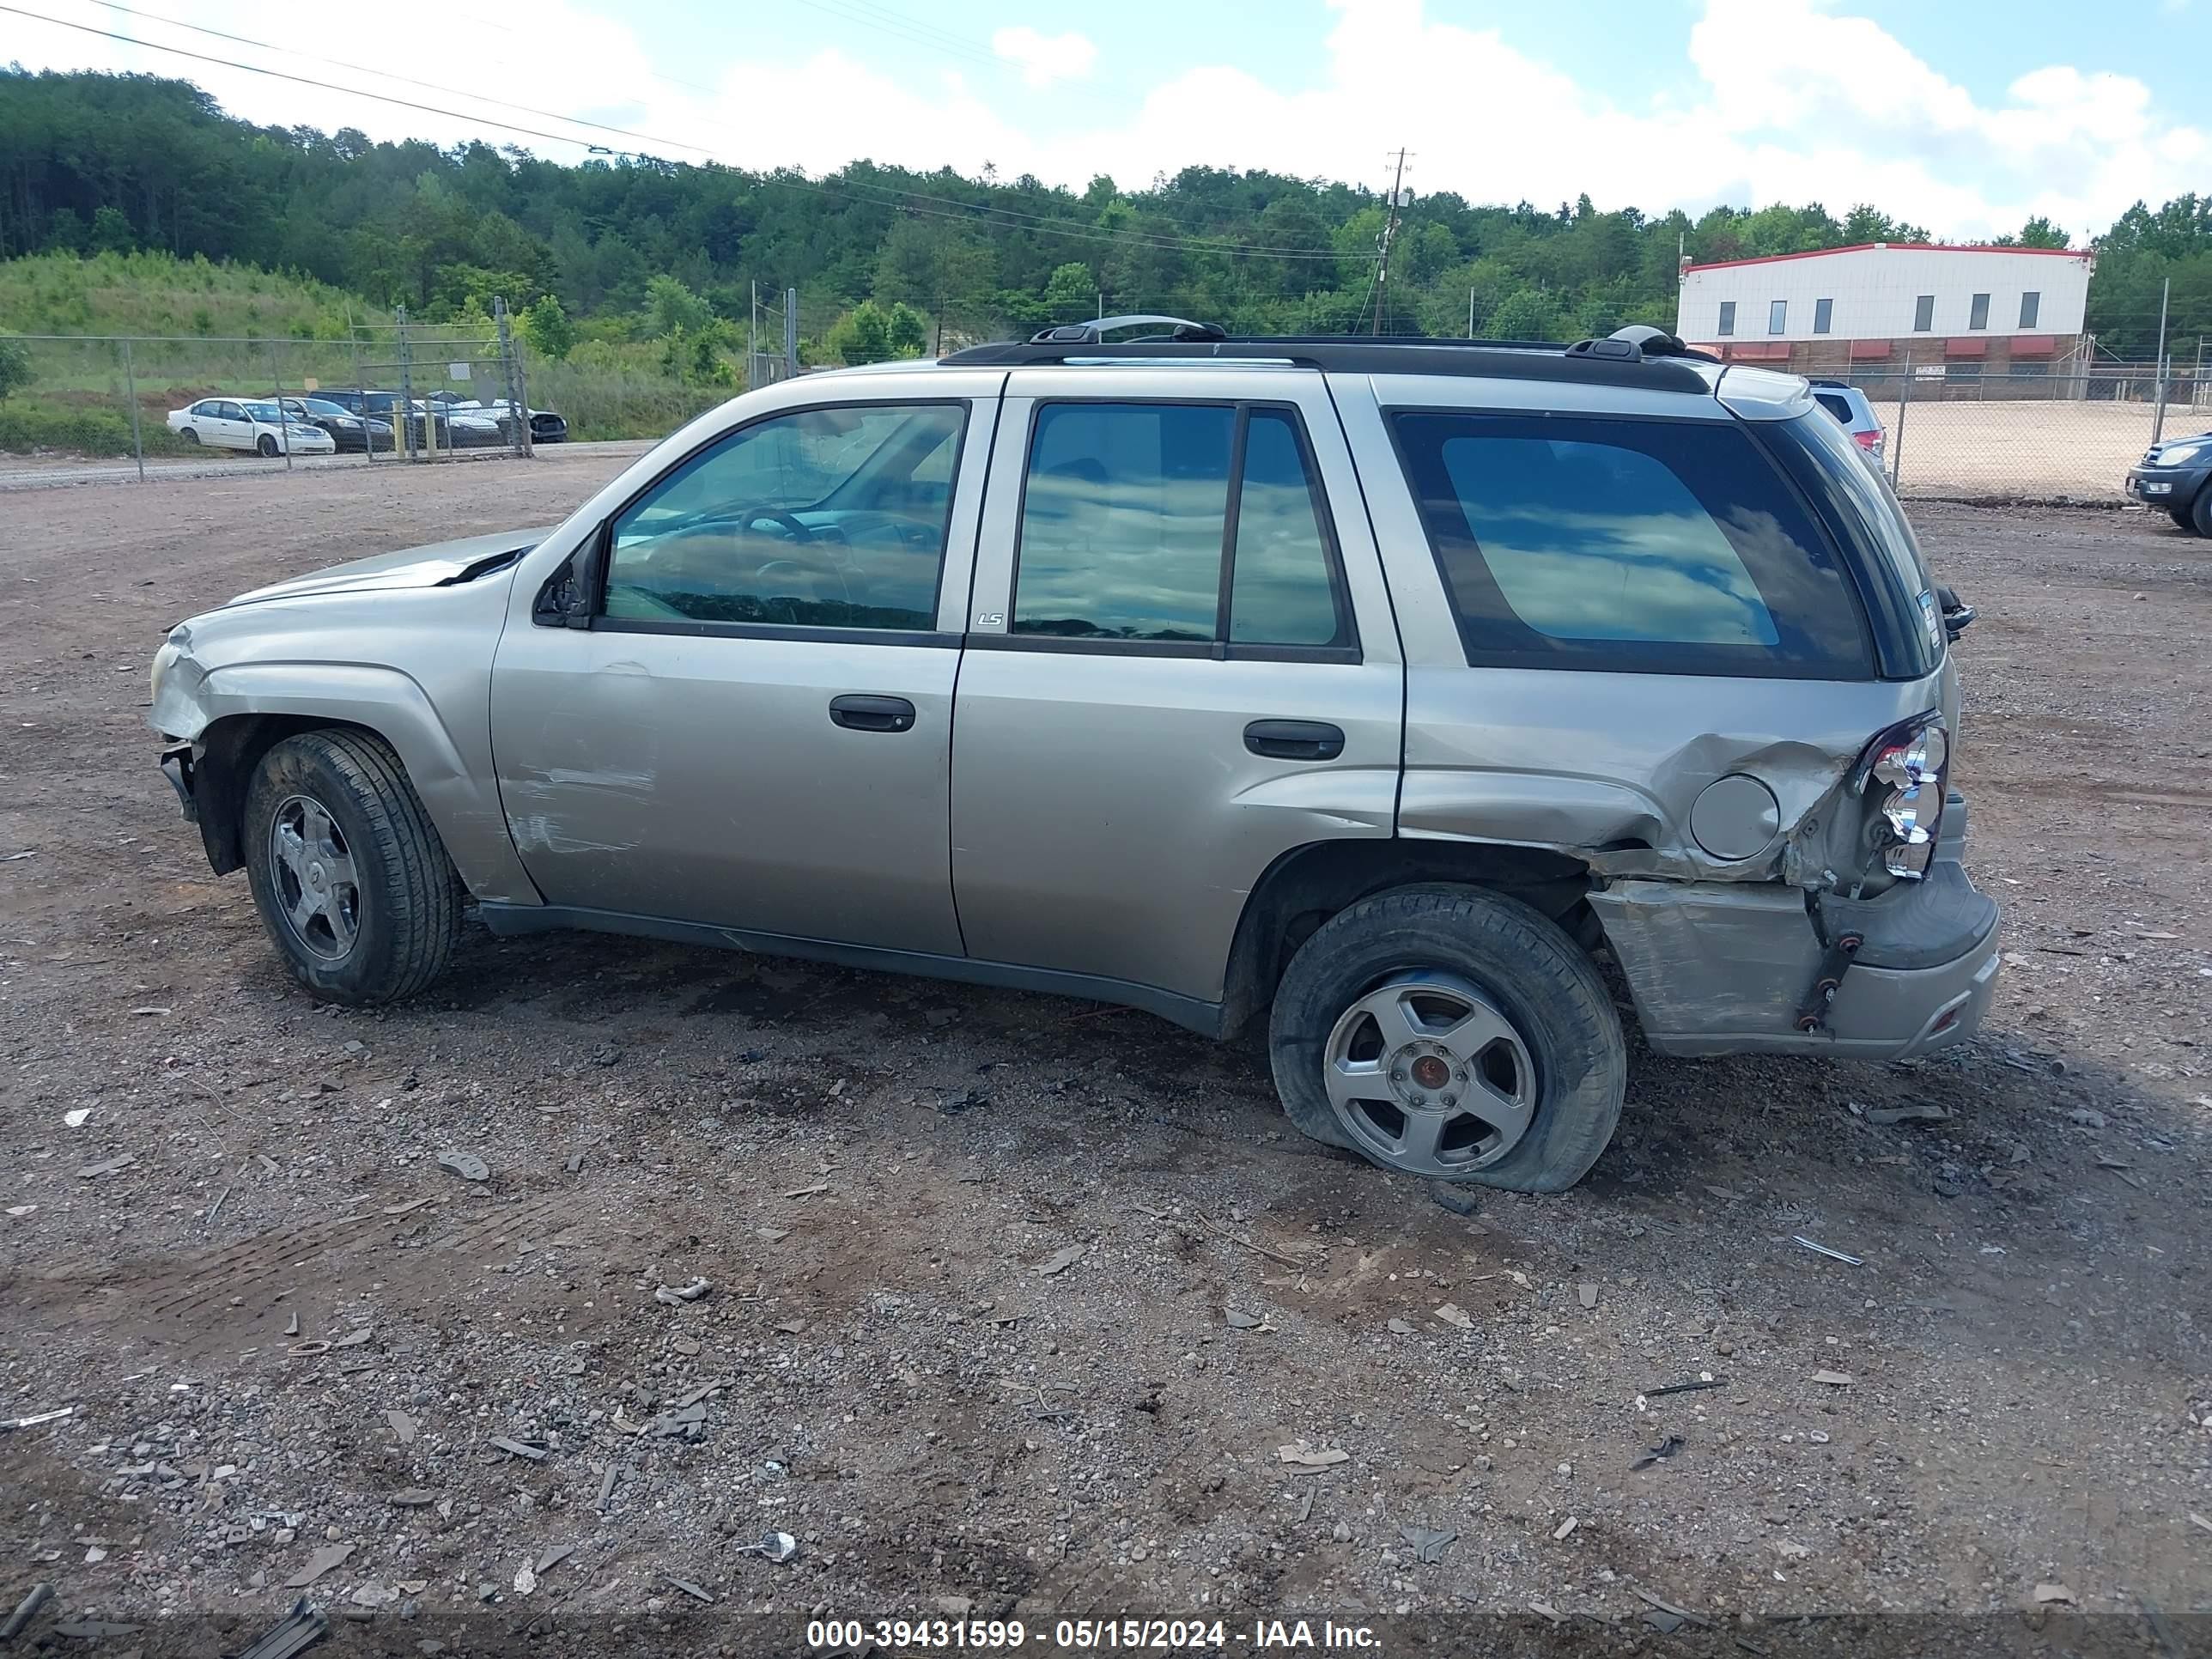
{"x":826,"y":518}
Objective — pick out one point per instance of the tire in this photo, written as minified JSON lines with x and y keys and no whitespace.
{"x":190,"y":436}
{"x":267,"y":446}
{"x":1551,"y":1039}
{"x":2180,"y":516}
{"x":2200,"y":511}
{"x":404,"y":919}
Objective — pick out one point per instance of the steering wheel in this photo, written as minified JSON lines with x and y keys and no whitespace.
{"x":810,"y":571}
{"x":782,"y":520}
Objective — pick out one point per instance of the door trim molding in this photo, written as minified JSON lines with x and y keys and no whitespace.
{"x":513,"y":921}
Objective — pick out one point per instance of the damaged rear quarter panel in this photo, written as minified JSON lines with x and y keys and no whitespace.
{"x":1606,"y":767}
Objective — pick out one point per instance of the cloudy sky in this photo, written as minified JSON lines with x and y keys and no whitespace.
{"x":1966,"y":116}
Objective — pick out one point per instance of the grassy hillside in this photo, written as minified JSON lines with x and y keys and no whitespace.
{"x":150,"y":293}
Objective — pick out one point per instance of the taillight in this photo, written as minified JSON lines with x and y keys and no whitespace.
{"x":1871,"y":440}
{"x":1903,"y":774}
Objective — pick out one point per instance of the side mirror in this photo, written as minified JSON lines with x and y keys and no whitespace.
{"x":1957,"y":615}
{"x":570,"y":596}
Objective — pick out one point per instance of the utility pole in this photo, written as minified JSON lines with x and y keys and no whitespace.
{"x":790,"y":333}
{"x":1390,"y":235}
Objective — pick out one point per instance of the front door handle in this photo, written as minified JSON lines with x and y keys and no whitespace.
{"x":859,"y":711}
{"x":1298,"y":740}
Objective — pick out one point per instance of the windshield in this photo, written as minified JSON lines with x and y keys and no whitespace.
{"x":318,"y":406}
{"x":263,"y":412}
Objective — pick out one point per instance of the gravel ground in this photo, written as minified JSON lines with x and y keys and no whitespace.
{"x":1015,"y":1302}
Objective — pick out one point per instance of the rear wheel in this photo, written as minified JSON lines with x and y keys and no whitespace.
{"x":347,"y":870}
{"x":1451,"y":1034}
{"x":190,"y":436}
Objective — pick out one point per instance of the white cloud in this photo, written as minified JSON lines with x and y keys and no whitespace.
{"x":1794,"y":101}
{"x":1045,"y":58}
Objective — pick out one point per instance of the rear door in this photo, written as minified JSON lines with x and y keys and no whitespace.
{"x":1181,"y":664}
{"x":229,"y":428}
{"x":754,"y":731}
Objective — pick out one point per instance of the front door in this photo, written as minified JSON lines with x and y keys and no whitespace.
{"x":754,"y":730}
{"x":1182,"y":667}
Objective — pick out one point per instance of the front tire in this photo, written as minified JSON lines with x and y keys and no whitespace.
{"x":267,"y":446}
{"x":1451,"y":1034}
{"x":348,"y":872}
{"x":2200,"y":511}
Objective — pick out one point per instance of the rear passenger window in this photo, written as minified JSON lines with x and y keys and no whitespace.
{"x":1138,"y":520}
{"x":1670,"y":547}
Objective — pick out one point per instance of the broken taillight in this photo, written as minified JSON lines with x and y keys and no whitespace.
{"x":1870,"y":441}
{"x":1905,"y":776}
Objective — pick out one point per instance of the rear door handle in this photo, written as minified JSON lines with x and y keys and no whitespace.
{"x":1297,"y":740}
{"x":861,"y":711}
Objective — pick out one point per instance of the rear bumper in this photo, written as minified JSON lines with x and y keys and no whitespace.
{"x":1721,"y":968}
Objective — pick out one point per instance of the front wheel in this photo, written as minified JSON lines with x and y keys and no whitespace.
{"x":267,"y":446}
{"x":1451,"y":1034}
{"x":347,"y":869}
{"x":2200,"y":512}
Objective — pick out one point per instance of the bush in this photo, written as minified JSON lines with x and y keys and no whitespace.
{"x":26,"y":427}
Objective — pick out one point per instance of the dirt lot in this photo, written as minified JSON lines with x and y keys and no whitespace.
{"x":2033,"y":449}
{"x":871,"y":1171}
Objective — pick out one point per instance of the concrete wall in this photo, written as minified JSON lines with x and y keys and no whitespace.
{"x":1875,"y":291}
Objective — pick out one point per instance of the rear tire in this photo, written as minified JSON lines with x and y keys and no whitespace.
{"x":2200,"y":512}
{"x":348,"y":872}
{"x":1545,"y":1066}
{"x":190,"y":436}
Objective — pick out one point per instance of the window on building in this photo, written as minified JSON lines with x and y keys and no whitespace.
{"x":2031,"y":305}
{"x":1923,"y":313}
{"x":1977,"y":313}
{"x":1728,"y":316}
{"x":1778,"y":314}
{"x":1824,"y":313}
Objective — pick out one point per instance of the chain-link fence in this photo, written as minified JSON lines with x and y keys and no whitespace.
{"x":385,"y":392}
{"x":2062,"y":431}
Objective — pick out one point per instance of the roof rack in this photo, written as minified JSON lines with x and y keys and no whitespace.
{"x":1637,"y":355}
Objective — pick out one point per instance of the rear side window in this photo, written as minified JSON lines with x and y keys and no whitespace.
{"x":1197,"y":527}
{"x":1839,"y":407}
{"x":1650,"y":546}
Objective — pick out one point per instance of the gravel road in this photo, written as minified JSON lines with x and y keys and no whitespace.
{"x":1024,"y":1308}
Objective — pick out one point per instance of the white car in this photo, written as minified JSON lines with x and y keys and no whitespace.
{"x":230,"y":423}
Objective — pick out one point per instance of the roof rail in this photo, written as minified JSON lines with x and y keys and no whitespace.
{"x":1626,"y":363}
{"x":1094,"y":333}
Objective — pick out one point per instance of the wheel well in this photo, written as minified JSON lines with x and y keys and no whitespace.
{"x":1306,"y":886}
{"x":222,"y":771}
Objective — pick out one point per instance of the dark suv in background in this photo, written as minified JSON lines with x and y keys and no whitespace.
{"x":2176,"y":475}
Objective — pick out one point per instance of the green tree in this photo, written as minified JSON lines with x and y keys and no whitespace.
{"x":1071,"y":295}
{"x":15,"y":365}
{"x":862,"y":335}
{"x":1527,"y":313}
{"x":670,"y":308}
{"x":906,"y":332}
{"x":546,"y":326}
{"x":110,"y":232}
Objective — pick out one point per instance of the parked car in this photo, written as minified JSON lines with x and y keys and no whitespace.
{"x":348,"y":430}
{"x":1384,"y":690}
{"x":2177,"y":475}
{"x":1849,"y":406}
{"x":425,"y":421}
{"x":236,"y":423}
{"x":545,"y":427}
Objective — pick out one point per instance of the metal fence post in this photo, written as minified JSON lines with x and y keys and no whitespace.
{"x":406,"y":409}
{"x":130,"y":391}
{"x":353,"y":350}
{"x":283,"y":424}
{"x":1896,"y":438}
{"x":510,"y":356}
{"x":790,"y":331}
{"x":2157,"y":365}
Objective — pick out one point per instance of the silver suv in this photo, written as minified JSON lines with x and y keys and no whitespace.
{"x":1403,"y":694}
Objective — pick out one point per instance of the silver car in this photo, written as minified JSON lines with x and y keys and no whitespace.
{"x":1396,"y":693}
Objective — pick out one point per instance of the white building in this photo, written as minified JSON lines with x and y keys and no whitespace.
{"x":2009,"y":307}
